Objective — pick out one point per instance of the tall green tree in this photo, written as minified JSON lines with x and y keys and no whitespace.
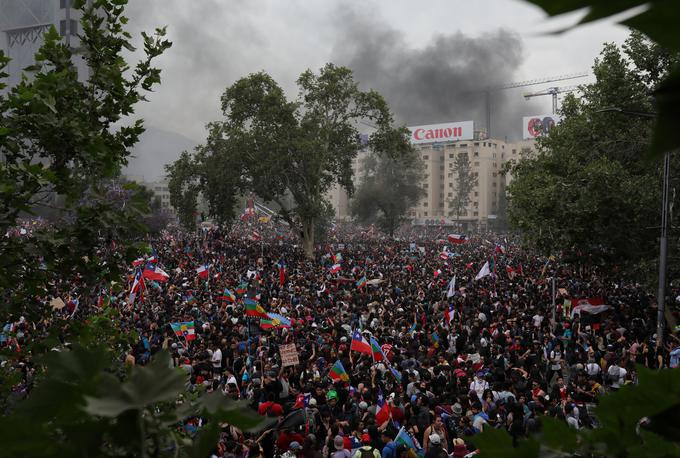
{"x":657,"y":19}
{"x":291,"y":152}
{"x":465,"y":183}
{"x":389,"y":186}
{"x":184,"y":187}
{"x":590,"y":189}
{"x":62,"y":142}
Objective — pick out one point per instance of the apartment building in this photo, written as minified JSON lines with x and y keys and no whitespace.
{"x":439,"y":146}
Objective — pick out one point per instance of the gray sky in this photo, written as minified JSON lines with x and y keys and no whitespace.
{"x":424,"y":57}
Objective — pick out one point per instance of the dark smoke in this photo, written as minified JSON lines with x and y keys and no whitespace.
{"x":437,"y":83}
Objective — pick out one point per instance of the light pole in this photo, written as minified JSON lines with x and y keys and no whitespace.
{"x":663,"y":240}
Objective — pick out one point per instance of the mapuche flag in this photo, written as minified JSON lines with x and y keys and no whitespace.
{"x":254,"y":309}
{"x":338,"y":372}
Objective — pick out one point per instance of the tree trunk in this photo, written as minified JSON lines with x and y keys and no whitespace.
{"x":308,"y":238}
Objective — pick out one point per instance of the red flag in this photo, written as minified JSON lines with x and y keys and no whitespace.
{"x":282,"y":275}
{"x":469,"y":265}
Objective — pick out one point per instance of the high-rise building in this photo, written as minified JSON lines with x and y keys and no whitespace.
{"x":438,"y":147}
{"x":22,"y":26}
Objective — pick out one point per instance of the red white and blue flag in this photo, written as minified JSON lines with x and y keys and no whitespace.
{"x":360,"y":344}
{"x":153,"y":272}
{"x":457,"y":238}
{"x":138,"y":287}
{"x":203,"y":271}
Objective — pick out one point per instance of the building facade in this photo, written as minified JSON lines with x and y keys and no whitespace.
{"x":22,"y":26}
{"x":486,"y":157}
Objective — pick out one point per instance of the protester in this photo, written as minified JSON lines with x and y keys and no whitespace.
{"x":391,"y":348}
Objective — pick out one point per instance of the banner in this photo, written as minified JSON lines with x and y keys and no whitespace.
{"x":446,"y":132}
{"x":535,"y":126}
{"x":289,"y":355}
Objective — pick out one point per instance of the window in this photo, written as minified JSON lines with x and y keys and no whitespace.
{"x":494,"y":165}
{"x":450,"y":185}
{"x":494,"y":184}
{"x":441,"y":195}
{"x":450,"y":175}
{"x":424,"y":213}
{"x":425,"y":195}
{"x":450,"y":165}
{"x":425,"y":205}
{"x":441,"y":185}
{"x":463,"y":145}
{"x":476,"y":193}
{"x":477,"y":164}
{"x":441,"y":167}
{"x":441,"y":177}
{"x":476,"y":174}
{"x":450,"y":156}
{"x":476,"y":214}
{"x":426,"y":157}
{"x":477,"y":144}
{"x":476,"y":154}
{"x":441,"y":204}
{"x":425,"y":185}
{"x":494,"y":155}
{"x":494,"y":174}
{"x":475,"y":203}
{"x":450,"y":194}
{"x":514,"y":151}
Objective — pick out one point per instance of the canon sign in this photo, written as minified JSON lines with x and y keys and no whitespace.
{"x":450,"y":131}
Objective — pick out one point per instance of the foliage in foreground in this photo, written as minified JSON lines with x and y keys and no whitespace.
{"x":590,"y":189}
{"x":63,"y":148}
{"x":637,"y":421}
{"x":657,"y":19}
{"x":85,"y":404}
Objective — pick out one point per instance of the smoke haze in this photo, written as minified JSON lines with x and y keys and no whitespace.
{"x":442,"y":81}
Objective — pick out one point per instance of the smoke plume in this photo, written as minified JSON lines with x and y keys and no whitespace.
{"x":443,"y":81}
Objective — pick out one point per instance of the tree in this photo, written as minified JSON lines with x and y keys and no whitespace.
{"x":658,"y":20}
{"x":589,"y":189}
{"x":184,"y":187}
{"x":465,"y":183}
{"x":389,"y":187}
{"x":290,"y":152}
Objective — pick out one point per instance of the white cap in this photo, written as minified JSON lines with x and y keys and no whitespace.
{"x":434,"y":438}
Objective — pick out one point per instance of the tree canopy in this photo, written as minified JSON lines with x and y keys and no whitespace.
{"x":289,"y":152}
{"x":590,"y":189}
{"x":389,"y":186}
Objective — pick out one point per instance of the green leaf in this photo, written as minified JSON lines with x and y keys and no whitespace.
{"x":147,"y":385}
{"x":666,"y":133}
{"x":236,"y":413}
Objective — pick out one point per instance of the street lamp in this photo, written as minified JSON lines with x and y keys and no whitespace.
{"x":663,"y":241}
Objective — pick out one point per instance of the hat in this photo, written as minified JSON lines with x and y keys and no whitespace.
{"x":295,"y":445}
{"x":332,"y":394}
{"x":339,"y":443}
{"x":312,"y":402}
{"x":434,"y":438}
{"x":457,"y":409}
{"x":365,"y":438}
{"x":363,"y":405}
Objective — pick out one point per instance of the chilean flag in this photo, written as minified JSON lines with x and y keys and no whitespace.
{"x":203,"y":271}
{"x":457,"y":238}
{"x":138,"y":286}
{"x":282,"y":273}
{"x":360,"y":344}
{"x":153,"y":272}
{"x":383,"y":413}
{"x":335,"y":268}
{"x":448,"y":314}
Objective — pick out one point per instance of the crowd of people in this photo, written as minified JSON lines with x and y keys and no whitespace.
{"x":405,"y":346}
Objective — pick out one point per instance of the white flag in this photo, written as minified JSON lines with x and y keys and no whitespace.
{"x":452,"y":288}
{"x":484,"y":271}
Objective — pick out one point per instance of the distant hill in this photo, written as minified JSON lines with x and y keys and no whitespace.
{"x":156,"y":148}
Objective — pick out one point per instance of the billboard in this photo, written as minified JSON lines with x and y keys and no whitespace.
{"x":535,"y":126}
{"x":446,"y":132}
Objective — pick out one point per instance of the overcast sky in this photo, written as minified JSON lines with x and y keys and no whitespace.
{"x":423,"y":56}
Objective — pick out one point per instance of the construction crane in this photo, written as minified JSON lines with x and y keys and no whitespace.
{"x":526,"y":83}
{"x":553,"y":91}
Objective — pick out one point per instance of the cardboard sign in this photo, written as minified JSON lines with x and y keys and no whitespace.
{"x":289,"y":355}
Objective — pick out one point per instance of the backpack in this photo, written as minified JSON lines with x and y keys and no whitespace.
{"x":367,"y":453}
